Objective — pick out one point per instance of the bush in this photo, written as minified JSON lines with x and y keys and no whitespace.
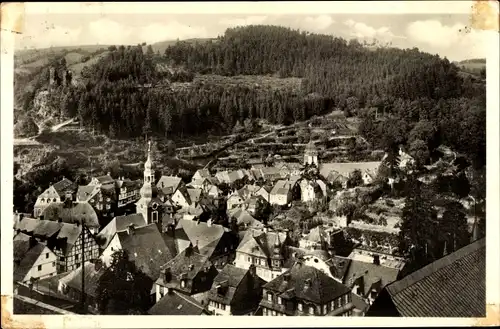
{"x":26,"y":127}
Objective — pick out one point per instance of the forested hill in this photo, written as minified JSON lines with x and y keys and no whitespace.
{"x":281,"y":75}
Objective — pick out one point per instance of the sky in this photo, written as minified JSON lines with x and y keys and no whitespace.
{"x":442,"y":34}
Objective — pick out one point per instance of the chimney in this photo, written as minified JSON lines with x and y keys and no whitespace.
{"x":21,"y":216}
{"x":41,"y":217}
{"x":59,"y":220}
{"x":170,"y":291}
{"x":77,"y":224}
{"x":191,"y":267}
{"x":307,"y":284}
{"x":209,"y":222}
{"x":376,"y":259}
{"x":286,"y":277}
{"x":109,"y":173}
{"x":131,"y":229}
{"x":253,"y":270}
{"x":32,"y":242}
{"x":167,"y":275}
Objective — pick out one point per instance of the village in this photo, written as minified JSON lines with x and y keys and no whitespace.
{"x":278,"y":239}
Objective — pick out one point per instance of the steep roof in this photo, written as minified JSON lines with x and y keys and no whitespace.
{"x":453,"y":286}
{"x":25,"y":264}
{"x":147,"y":248}
{"x":105,"y":179}
{"x":347,"y":168}
{"x":70,"y":232}
{"x":317,"y":235}
{"x":322,"y":288}
{"x":371,"y":273}
{"x":74,"y":279}
{"x":204,"y":173}
{"x":168,"y":184}
{"x":282,"y":187}
{"x":200,"y":233}
{"x":194,"y":194}
{"x":230,"y":277}
{"x":119,"y":223}
{"x":176,"y":303}
{"x":64,"y":185}
{"x":26,"y":224}
{"x":76,"y":212}
{"x":86,"y":192}
{"x":21,"y":245}
{"x":243,"y":217}
{"x":259,"y":242}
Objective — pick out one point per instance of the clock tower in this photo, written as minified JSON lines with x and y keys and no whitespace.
{"x":149,"y":205}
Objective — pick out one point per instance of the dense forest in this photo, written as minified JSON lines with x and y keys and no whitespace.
{"x":404,"y":97}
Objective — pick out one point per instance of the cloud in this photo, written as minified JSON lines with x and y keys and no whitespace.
{"x":433,"y":33}
{"x":173,"y":30}
{"x":361,"y":30}
{"x":107,"y":31}
{"x":249,"y":20}
{"x":319,"y":23}
{"x":55,"y":35}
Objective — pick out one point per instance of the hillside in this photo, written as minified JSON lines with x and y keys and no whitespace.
{"x":251,"y":90}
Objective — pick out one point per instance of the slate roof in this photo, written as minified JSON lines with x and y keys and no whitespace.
{"x":105,"y":179}
{"x":347,"y":168}
{"x":200,"y":232}
{"x":372,"y":275}
{"x":194,"y":194}
{"x":243,"y":217}
{"x":74,"y":279}
{"x":64,"y":185}
{"x":229,"y":277}
{"x":85,"y":193}
{"x":204,"y":173}
{"x":76,"y":212}
{"x":168,"y":184}
{"x":453,"y":286}
{"x":297,"y":254}
{"x":117,"y":224}
{"x":70,"y":232}
{"x":317,"y":235}
{"x":26,"y":224}
{"x":25,"y":264}
{"x":147,"y":248}
{"x":21,"y":245}
{"x":247,"y":191}
{"x":258,"y":242}
{"x":322,"y":289}
{"x":282,"y":187}
{"x":177,"y":303}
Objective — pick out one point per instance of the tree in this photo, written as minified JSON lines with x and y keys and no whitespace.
{"x":423,"y":130}
{"x":419,"y":151}
{"x":418,"y":224}
{"x":123,"y":289}
{"x":26,"y":127}
{"x":355,"y":179}
{"x":453,"y":227}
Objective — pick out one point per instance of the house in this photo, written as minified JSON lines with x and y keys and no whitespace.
{"x":310,"y":190}
{"x":145,"y":246}
{"x":128,"y":191}
{"x":271,"y":174}
{"x":189,"y":273}
{"x":235,"y":200}
{"x":235,"y":291}
{"x":72,"y":212}
{"x":167,"y":185}
{"x":214,"y":240}
{"x":103,"y":181}
{"x":311,"y":154}
{"x":404,"y":160}
{"x":213,"y":191}
{"x":265,"y":192}
{"x":289,"y":169}
{"x":71,"y":284}
{"x":64,"y":239}
{"x":255,"y":204}
{"x":265,"y":249}
{"x":317,"y":238}
{"x":333,"y":266}
{"x":231,"y":177}
{"x":102,"y":198}
{"x":182,"y":197}
{"x":247,"y":191}
{"x":305,"y":290}
{"x":367,"y":279}
{"x":340,"y":172}
{"x":176,"y":303}
{"x":118,"y":224}
{"x":32,"y":260}
{"x":201,"y":174}
{"x":244,"y":219}
{"x":452,"y":286}
{"x":282,"y":193}
{"x":58,"y":192}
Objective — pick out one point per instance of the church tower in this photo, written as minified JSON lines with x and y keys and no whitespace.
{"x":149,"y":205}
{"x":311,"y":154}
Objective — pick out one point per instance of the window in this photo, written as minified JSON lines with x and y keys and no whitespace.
{"x":61,"y":259}
{"x":269,"y":297}
{"x":264,"y":311}
{"x":346,"y":296}
{"x":223,"y":307}
{"x":325,"y":309}
{"x":274,"y":313}
{"x":249,"y":259}
{"x":311,"y":310}
{"x":108,"y":207}
{"x":183,"y":283}
{"x":76,"y":256}
{"x":299,"y":306}
{"x":47,"y":255}
{"x":108,"y":199}
{"x":99,"y":206}
{"x":279,"y":301}
{"x":39,"y":267}
{"x":53,"y":264}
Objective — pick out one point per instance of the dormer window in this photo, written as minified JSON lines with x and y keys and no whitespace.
{"x":299,"y":307}
{"x":269,"y":297}
{"x":108,"y":199}
{"x":42,"y":200}
{"x":183,"y":283}
{"x":311,"y":310}
{"x":279,"y":301}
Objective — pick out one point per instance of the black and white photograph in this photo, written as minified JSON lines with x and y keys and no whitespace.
{"x":250,"y":162}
